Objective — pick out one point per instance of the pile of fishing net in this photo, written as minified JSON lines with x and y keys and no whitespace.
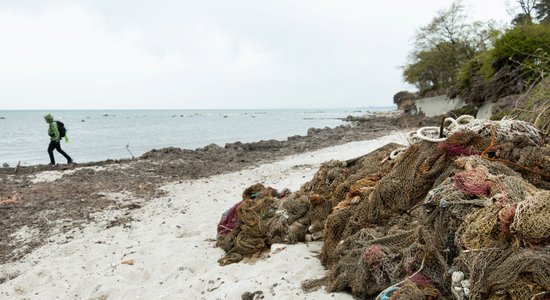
{"x":265,"y":216}
{"x":463,"y":214}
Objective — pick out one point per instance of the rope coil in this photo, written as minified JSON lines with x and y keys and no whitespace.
{"x":505,"y":130}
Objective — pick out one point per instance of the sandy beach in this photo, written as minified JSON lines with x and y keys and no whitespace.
{"x":167,"y":243}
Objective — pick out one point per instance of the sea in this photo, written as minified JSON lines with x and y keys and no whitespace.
{"x":96,"y":135}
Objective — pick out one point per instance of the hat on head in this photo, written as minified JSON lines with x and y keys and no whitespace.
{"x":48,"y":118}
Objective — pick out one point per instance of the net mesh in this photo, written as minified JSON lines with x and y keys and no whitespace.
{"x":507,"y":273}
{"x":529,"y":217}
{"x":403,"y":224}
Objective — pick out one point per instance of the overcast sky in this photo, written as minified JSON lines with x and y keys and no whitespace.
{"x":157,"y":54}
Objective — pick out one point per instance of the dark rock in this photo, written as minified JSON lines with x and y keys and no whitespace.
{"x":253,"y":296}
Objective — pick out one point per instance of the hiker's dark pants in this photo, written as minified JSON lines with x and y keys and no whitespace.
{"x":57,"y":146}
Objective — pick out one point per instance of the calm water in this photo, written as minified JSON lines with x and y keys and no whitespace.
{"x":99,"y":135}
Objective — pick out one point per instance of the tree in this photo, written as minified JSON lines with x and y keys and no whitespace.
{"x":448,"y":26}
{"x":435,"y":69}
{"x":542,"y":8}
{"x":442,"y":46}
{"x":522,"y":12}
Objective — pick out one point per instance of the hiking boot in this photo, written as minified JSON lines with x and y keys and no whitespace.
{"x":71,"y":162}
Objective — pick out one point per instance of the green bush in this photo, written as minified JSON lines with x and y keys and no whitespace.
{"x":516,"y":61}
{"x":500,"y":115}
{"x":472,"y":80}
{"x":521,"y":47}
{"x":465,"y":110}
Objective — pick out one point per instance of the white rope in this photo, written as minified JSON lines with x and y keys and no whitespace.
{"x":454,"y":123}
{"x":395,"y":153}
{"x":422,"y":133}
{"x":412,"y":137}
{"x":465,"y":119}
{"x":506,"y":130}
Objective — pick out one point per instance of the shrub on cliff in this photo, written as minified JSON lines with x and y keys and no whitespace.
{"x":404,"y":99}
{"x":524,"y":47}
{"x":514,"y":64}
{"x":472,"y":84}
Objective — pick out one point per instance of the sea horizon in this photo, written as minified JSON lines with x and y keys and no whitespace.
{"x":96,"y":134}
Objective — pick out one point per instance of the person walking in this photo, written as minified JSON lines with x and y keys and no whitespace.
{"x":55,"y":138}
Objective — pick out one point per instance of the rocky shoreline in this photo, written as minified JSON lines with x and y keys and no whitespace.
{"x":357,"y":128}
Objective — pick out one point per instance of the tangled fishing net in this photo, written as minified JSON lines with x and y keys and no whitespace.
{"x":461,"y":213}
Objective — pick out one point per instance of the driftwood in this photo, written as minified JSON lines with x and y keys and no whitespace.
{"x":128,"y":148}
{"x":17,"y":167}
